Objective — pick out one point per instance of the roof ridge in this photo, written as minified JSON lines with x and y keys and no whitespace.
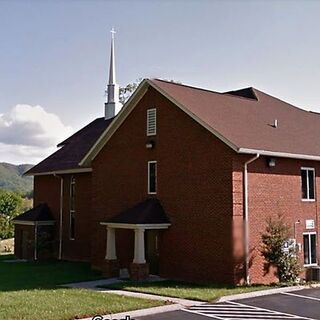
{"x":283,"y":101}
{"x":186,"y":85}
{"x":65,"y":141}
{"x":208,"y":90}
{"x":234,"y":94}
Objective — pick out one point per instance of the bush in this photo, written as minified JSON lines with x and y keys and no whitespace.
{"x":10,"y":206}
{"x":279,"y":250}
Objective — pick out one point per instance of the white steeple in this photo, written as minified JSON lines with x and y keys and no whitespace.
{"x":112,"y":106}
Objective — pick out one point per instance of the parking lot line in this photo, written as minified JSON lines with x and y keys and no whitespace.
{"x":232,"y":310}
{"x":287,"y":315}
{"x":300,"y":296}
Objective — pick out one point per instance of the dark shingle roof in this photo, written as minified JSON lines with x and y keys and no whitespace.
{"x":72,"y":149}
{"x":39,"y":213}
{"x":149,"y":211}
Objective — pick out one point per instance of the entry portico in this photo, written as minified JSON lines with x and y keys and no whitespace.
{"x":147,"y":215}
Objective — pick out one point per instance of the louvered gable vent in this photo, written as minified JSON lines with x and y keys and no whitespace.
{"x":151,"y":122}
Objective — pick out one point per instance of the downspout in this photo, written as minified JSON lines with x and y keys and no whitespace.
{"x":35,"y":241}
{"x":61,"y":216}
{"x":246,"y":217}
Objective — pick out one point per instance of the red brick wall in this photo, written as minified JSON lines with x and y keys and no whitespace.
{"x":30,"y":236}
{"x":194,"y":187}
{"x":274,"y":191}
{"x":47,"y":189}
{"x":200,"y":185}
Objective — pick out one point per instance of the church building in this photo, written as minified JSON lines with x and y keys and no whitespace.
{"x":178,"y":182}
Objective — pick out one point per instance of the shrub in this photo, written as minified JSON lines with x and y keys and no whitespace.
{"x":10,"y":206}
{"x":279,"y":250}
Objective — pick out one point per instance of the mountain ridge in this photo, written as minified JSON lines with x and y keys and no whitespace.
{"x":11,"y":178}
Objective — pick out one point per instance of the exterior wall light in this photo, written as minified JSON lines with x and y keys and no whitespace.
{"x":271,"y":162}
{"x":150,"y":145}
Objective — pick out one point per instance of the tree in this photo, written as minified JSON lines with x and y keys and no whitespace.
{"x":10,"y":206}
{"x":126,"y":92}
{"x":280,"y":251}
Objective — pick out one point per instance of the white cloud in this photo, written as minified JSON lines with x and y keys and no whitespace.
{"x":29,"y":133}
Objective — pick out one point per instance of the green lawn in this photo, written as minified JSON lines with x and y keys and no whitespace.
{"x":28,"y":291}
{"x":179,"y":289}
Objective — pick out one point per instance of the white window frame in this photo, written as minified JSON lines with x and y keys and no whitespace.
{"x":72,"y":211}
{"x":156,"y":176}
{"x":149,"y":111}
{"x":308,"y":234}
{"x":314,"y":182}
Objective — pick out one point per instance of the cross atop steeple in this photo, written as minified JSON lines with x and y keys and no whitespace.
{"x":113,"y":32}
{"x":112,"y":105}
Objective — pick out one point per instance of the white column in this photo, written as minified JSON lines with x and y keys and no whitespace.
{"x":139,"y":256}
{"x":111,"y":244}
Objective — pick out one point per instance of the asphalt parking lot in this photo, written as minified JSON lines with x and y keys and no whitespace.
{"x":298,"y":305}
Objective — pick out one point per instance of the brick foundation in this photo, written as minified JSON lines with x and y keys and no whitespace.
{"x":111,"y":268}
{"x":139,"y":272}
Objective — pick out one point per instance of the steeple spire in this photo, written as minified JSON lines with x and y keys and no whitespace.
{"x":112,"y":105}
{"x":112,"y":71}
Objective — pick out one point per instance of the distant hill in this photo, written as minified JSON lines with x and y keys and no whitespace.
{"x":11,"y":178}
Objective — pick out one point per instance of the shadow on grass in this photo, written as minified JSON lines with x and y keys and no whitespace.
{"x":42,"y":275}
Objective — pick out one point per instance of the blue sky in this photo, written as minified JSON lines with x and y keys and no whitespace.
{"x":55,"y":54}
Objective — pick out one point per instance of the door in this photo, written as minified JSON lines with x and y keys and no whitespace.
{"x":24,"y":244}
{"x":152,"y":250}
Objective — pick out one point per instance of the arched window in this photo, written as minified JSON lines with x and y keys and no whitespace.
{"x":72,"y":207}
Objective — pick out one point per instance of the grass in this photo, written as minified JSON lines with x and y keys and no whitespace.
{"x":29,"y":291}
{"x":179,"y":289}
{"x":65,"y":304}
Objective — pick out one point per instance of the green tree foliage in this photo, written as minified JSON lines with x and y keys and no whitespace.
{"x":279,"y":250}
{"x":126,"y":92}
{"x":11,"y":204}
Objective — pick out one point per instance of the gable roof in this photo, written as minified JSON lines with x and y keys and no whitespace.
{"x":243,"y":119}
{"x":72,"y":150}
{"x":248,"y":123}
{"x":39,"y":213}
{"x":149,"y":211}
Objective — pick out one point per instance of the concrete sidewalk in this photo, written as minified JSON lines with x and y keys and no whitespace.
{"x":181,"y":302}
{"x":92,"y":285}
{"x":174,"y":304}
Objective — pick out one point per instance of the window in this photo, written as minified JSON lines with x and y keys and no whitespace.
{"x":152,"y":177}
{"x":151,"y":122}
{"x":310,"y":248}
{"x":307,"y":184}
{"x":72,"y":208}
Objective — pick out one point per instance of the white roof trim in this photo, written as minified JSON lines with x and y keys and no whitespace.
{"x":126,"y":110}
{"x":279,"y":154}
{"x":194,"y":117}
{"x":115,"y":124}
{"x":32,"y":223}
{"x":136,"y":226}
{"x":135,"y":98}
{"x":80,"y":170}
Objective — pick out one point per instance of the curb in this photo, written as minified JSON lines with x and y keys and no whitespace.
{"x":178,"y":301}
{"x":266,"y":292}
{"x":137,"y":313}
{"x":179,"y":304}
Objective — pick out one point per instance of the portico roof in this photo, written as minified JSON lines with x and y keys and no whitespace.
{"x":148,"y":212}
{"x":40,"y":214}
